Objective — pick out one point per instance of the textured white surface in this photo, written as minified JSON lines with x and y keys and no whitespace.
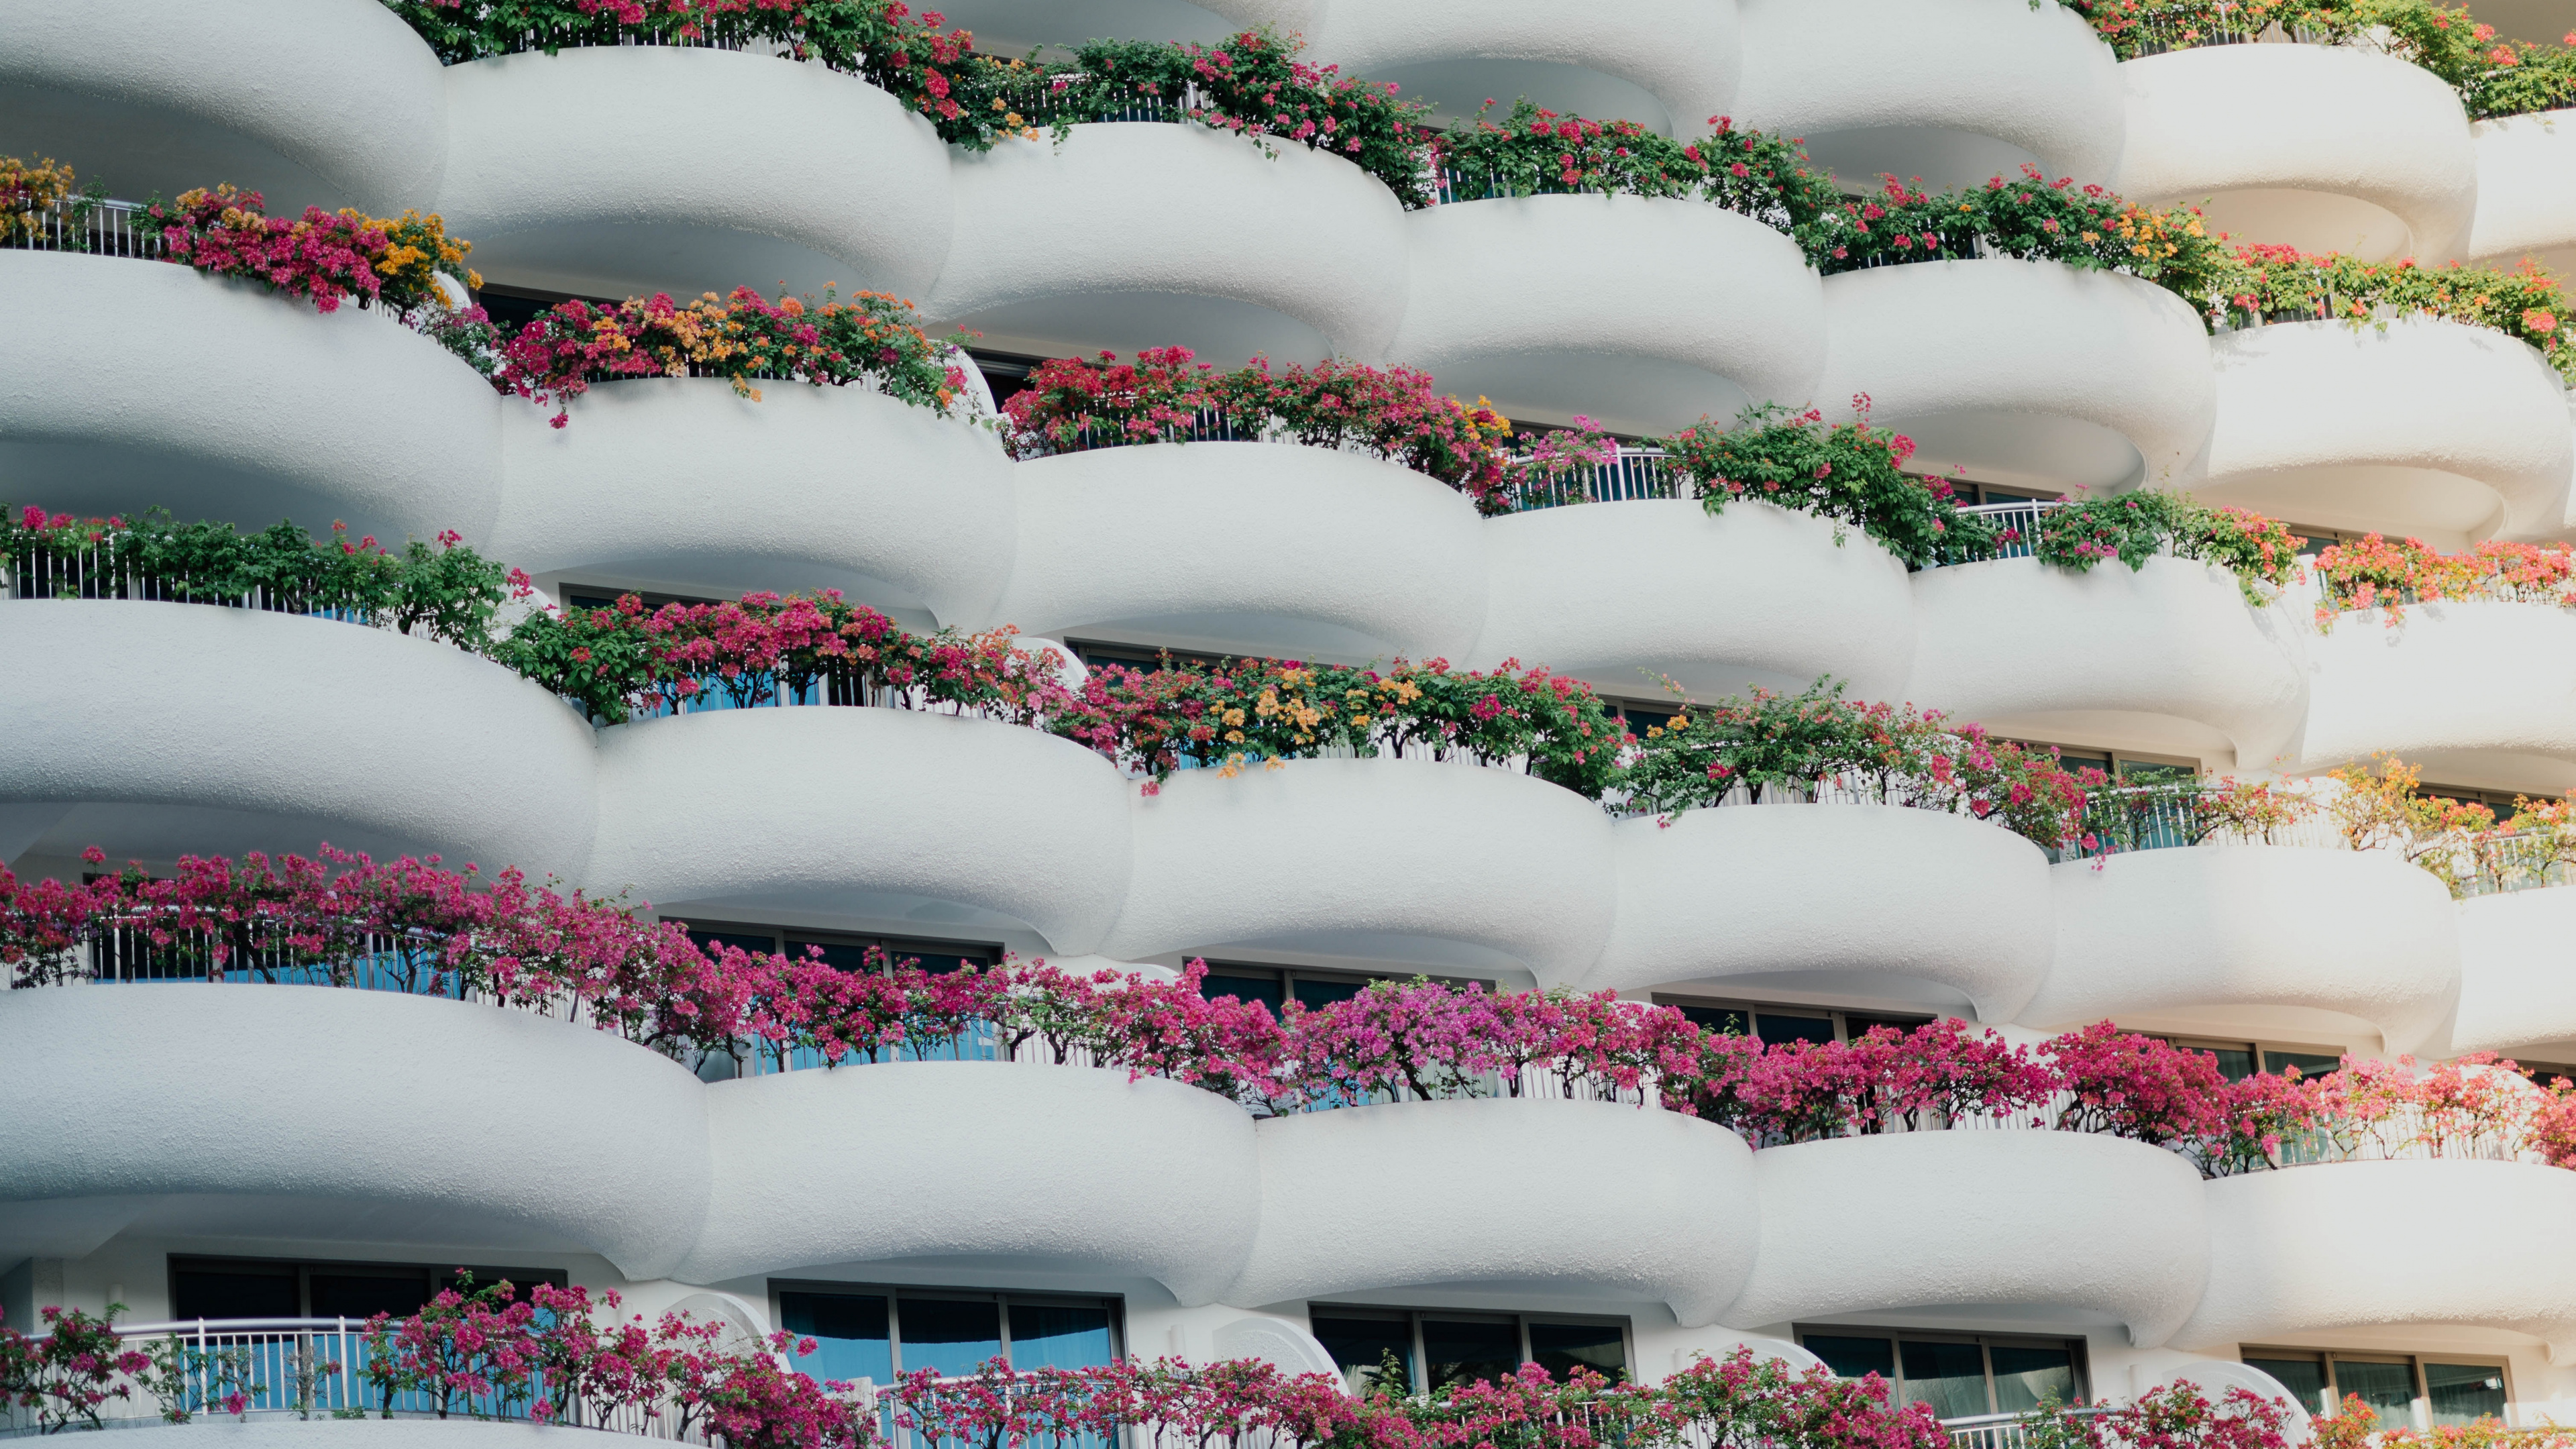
{"x":2526,"y":188}
{"x":2305,"y":126}
{"x":1503,"y":292}
{"x":2175,"y":640}
{"x":2022,"y":340}
{"x":1684,"y":52}
{"x":902,"y":1160}
{"x":2090,"y":1222}
{"x":300,"y":729}
{"x":1679,"y":1228}
{"x":2451,"y":679}
{"x":2359,"y":932}
{"x":1870,"y":890}
{"x":1624,"y":593}
{"x":430,"y":1107}
{"x":1370,"y":848}
{"x":2515,"y":986}
{"x":1301,"y":233}
{"x":2417,"y":426}
{"x":881,"y":489}
{"x":2283,"y":1246}
{"x":245,"y":405}
{"x":847,"y":183}
{"x":1288,"y":533}
{"x":803,"y":808}
{"x":2036,"y":81}
{"x":152,"y":97}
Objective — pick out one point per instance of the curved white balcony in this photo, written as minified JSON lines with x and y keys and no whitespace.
{"x":2096,"y":1223}
{"x":166,"y":729}
{"x":2435,"y":429}
{"x":2325,"y":148}
{"x":2515,"y":994}
{"x":2282,"y":1246}
{"x":884,"y":1162}
{"x":1295,"y":256}
{"x":2359,"y":933}
{"x":1642,"y":313}
{"x":247,"y":406}
{"x":1396,"y":860}
{"x":880,"y":811}
{"x":2526,"y":190}
{"x":1668,"y":65}
{"x":1873,"y":899}
{"x":1954,"y":92}
{"x":1678,"y":1228}
{"x":2476,"y":693}
{"x":2168,"y":658}
{"x":150,"y":100}
{"x":381,"y":1117}
{"x":1258,"y":548}
{"x":891,"y":503}
{"x":2045,"y":375}
{"x":1627,"y":594}
{"x":846,"y":185}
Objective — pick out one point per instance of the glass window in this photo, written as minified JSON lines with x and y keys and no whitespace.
{"x":227,"y":1290}
{"x":839,"y":955}
{"x":1060,"y":1335}
{"x":1560,"y":1348}
{"x":2234,"y":1063}
{"x":1360,"y":1345}
{"x":2024,"y":1376}
{"x":1852,"y":1358}
{"x":1724,"y":1020}
{"x":849,"y":1331}
{"x":1457,"y":1350}
{"x":1951,"y":1377}
{"x":2463,"y":1393}
{"x":1774,"y":1026}
{"x":2303,"y":1377}
{"x":2388,"y":1388}
{"x":950,"y":1335}
{"x":363,"y":1293}
{"x":1856,"y":1025}
{"x":2148,"y":772}
{"x":758,"y":943}
{"x":1315,"y":991}
{"x":2310,"y":1064}
{"x":1244,"y":986}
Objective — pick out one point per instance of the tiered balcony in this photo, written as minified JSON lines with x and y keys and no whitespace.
{"x":2526,"y":190}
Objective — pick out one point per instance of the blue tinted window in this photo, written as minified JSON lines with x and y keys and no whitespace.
{"x":1852,"y":1358}
{"x":1314,"y":992}
{"x":849,"y":1332}
{"x":1244,"y":986}
{"x":949,"y":1335}
{"x":1060,"y":1335}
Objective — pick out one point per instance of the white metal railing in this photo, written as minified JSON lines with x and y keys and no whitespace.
{"x":1636,"y":473}
{"x":91,"y":224}
{"x":2016,"y":524}
{"x":2000,"y":1431}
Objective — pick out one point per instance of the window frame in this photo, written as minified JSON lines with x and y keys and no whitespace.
{"x":1839,"y":1015}
{"x":2078,"y":1349}
{"x":1001,"y":1298}
{"x":2261,"y":1048}
{"x":895,"y":947}
{"x":1417,"y":1362}
{"x":438,"y":1275}
{"x":2420,"y":1407}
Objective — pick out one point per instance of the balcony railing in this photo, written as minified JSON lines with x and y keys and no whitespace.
{"x":1637,"y":473}
{"x":91,"y":224}
{"x":94,"y":572}
{"x":1999,"y":1431}
{"x":2016,"y":525}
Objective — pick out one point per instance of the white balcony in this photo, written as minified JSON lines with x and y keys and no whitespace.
{"x":2526,"y":190}
{"x":2515,"y":992}
{"x":2475,"y":693}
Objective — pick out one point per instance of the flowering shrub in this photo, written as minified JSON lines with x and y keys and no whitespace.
{"x":31,"y":189}
{"x":2167,"y":1418}
{"x":619,"y":659}
{"x":1071,"y":404}
{"x":2134,"y":527}
{"x":68,"y":1375}
{"x":2032,"y":218}
{"x":2192,"y":810}
{"x":1533,"y":152}
{"x":2378,"y":574}
{"x":870,"y":338}
{"x":1815,"y":741}
{"x":2284,"y":284}
{"x":447,"y":593}
{"x":1850,"y":472}
{"x":1265,"y":711}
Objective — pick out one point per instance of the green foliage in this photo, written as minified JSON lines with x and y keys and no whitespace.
{"x":2134,"y":527}
{"x":1851,"y":472}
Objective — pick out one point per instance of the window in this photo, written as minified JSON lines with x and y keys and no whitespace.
{"x":286,"y":1288}
{"x":1437,"y":1347}
{"x":2123,"y":767}
{"x":1004,"y":372}
{"x":877,"y":1333}
{"x":1641,"y":716}
{"x":2404,"y":1390}
{"x":602,"y":596}
{"x":1275,"y":986}
{"x":1782,"y":1022}
{"x":1094,"y":654}
{"x":1959,"y":1375}
{"x":1968,"y":493}
{"x":845,"y":951}
{"x":2237,"y":1059}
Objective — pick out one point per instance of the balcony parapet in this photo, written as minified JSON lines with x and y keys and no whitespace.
{"x":2526,"y":190}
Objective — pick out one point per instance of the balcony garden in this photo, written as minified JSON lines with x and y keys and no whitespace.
{"x":2376,"y":573}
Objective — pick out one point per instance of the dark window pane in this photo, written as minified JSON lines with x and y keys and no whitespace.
{"x":2388,"y":1388}
{"x":2025,"y":1376}
{"x":1244,"y":986}
{"x":1641,"y":720}
{"x":839,"y":955}
{"x":951,"y":1335}
{"x":2070,"y":761}
{"x":1315,"y":991}
{"x":252,"y":1290}
{"x":2463,"y":1393}
{"x":2234,"y":1063}
{"x":364,"y":1293}
{"x":2149,"y":772}
{"x":757,"y":943}
{"x":849,"y":1333}
{"x":1852,"y":1358}
{"x":1951,"y":1377}
{"x":1060,"y":1335}
{"x":2305,"y":1378}
{"x":942,"y":963}
{"x":2310,"y":1064}
{"x":1724,"y":1020}
{"x":1560,"y":1348}
{"x":1858,"y":1025}
{"x":1774,"y":1026}
{"x":1454,"y":1351}
{"x":1359,"y":1345}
